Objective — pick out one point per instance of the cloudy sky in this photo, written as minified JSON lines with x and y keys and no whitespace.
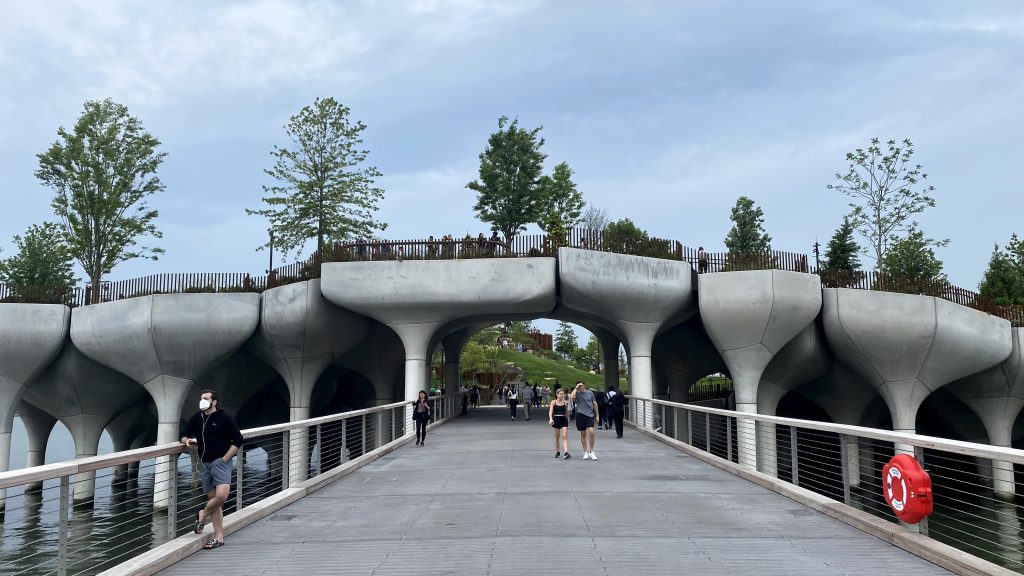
{"x":667,"y":111}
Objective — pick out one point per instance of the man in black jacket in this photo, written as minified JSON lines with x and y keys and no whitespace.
{"x":216,"y":437}
{"x":616,"y":409}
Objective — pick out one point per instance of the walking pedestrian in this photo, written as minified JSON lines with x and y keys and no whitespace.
{"x":527,"y":399}
{"x":421,"y":414}
{"x":474,"y":397}
{"x":513,"y":401}
{"x":602,"y":408}
{"x":216,"y":437}
{"x":616,"y":409}
{"x":558,"y":418}
{"x":536,"y":396}
{"x":586,"y":412}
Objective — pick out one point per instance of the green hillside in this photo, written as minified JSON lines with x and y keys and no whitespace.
{"x":539,"y":368}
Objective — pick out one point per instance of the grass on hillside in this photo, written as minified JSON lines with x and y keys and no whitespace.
{"x":538,"y":368}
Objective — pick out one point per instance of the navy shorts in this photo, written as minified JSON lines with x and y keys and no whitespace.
{"x":216,"y":473}
{"x":583,"y":422}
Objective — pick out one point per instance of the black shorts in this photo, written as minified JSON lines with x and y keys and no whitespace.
{"x":560,"y":422}
{"x":583,"y":422}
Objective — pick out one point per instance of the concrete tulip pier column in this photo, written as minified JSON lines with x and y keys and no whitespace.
{"x":681,"y":356}
{"x":750,"y":316}
{"x":38,"y":426}
{"x":164,"y":342}
{"x":997,"y":395}
{"x":124,"y":429}
{"x":802,"y":360}
{"x":30,"y":337}
{"x":416,"y":298}
{"x":453,"y":344}
{"x":844,"y":396}
{"x":300,"y":335}
{"x":638,"y":296}
{"x":85,"y":396}
{"x":908,"y":346}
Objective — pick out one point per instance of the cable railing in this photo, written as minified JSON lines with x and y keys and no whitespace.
{"x":522,"y":246}
{"x":974,"y":485}
{"x":45,"y":530}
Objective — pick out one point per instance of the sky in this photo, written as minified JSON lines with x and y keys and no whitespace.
{"x":666,"y":111}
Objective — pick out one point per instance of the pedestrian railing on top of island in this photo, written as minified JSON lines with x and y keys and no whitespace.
{"x":523,"y":246}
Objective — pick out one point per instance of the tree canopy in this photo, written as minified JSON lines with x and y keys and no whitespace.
{"x":561,"y":202}
{"x":565,"y":341}
{"x":41,"y":271}
{"x":1003,"y":281}
{"x":508,"y":190}
{"x":103,"y":172}
{"x":910,"y":265}
{"x":887,"y":191}
{"x":324,"y":191}
{"x":841,"y":252}
{"x":747,"y":233}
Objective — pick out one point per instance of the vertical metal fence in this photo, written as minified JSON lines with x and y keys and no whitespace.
{"x":975,"y":486}
{"x":45,"y":531}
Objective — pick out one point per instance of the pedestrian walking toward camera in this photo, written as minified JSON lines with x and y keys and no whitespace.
{"x":602,"y":408}
{"x":513,"y":401}
{"x":216,"y":437}
{"x":527,"y":399}
{"x":536,"y":396}
{"x":586,"y":412}
{"x":474,"y":397}
{"x":558,"y":418}
{"x":421,"y":415}
{"x":616,"y":409}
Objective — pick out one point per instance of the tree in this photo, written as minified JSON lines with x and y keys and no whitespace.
{"x":41,"y":270}
{"x":565,"y":341}
{"x":508,"y":191}
{"x":841,"y":252}
{"x":887,"y":191}
{"x":103,"y":172}
{"x":594,"y":218}
{"x":561,"y":203}
{"x":477,"y":358}
{"x":323,"y":191}
{"x":842,"y":266}
{"x":910,"y":266}
{"x":747,"y":233}
{"x":588,"y":357}
{"x":1003,"y":282}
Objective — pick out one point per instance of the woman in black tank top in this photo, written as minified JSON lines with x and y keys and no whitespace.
{"x":559,"y":420}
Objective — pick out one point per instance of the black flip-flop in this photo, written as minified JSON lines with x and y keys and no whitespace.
{"x":200,"y":524}
{"x":213,"y":544}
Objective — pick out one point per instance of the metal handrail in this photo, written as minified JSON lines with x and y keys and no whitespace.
{"x":1012,"y":455}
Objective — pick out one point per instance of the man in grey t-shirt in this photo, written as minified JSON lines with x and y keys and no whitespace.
{"x":586,"y":412}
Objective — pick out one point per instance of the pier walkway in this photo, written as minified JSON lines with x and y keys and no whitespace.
{"x":485,"y":496}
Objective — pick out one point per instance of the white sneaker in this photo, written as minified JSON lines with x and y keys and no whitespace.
{"x":586,"y":455}
{"x":593,"y":456}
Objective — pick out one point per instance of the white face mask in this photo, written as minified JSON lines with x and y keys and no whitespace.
{"x":204,"y":404}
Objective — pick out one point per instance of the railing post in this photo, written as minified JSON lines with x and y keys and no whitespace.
{"x":239,"y":479}
{"x":707,"y":432}
{"x":792,"y":455}
{"x":689,"y":427}
{"x":344,"y":443}
{"x":844,"y":453}
{"x":172,"y":501}
{"x":286,"y":467}
{"x":62,"y":530}
{"x":728,"y":438}
{"x":922,"y":526}
{"x":364,"y":436}
{"x":319,"y":451}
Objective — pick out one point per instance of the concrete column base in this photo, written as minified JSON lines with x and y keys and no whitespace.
{"x":746,"y":436}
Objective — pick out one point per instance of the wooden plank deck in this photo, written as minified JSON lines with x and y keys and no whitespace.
{"x":485,"y":496}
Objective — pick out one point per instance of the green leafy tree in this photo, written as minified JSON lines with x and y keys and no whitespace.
{"x":747,"y":233}
{"x":1003,"y":282}
{"x":910,"y":266}
{"x":103,"y":172}
{"x":561,"y":202}
{"x":519,"y":332}
{"x":565,"y":341}
{"x":41,"y":270}
{"x":508,"y":191}
{"x":748,"y":244}
{"x":887,"y":191}
{"x":324,"y":191}
{"x":588,"y":357}
{"x":477,"y":357}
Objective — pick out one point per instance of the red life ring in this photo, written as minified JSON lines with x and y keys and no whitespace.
{"x":907,"y":488}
